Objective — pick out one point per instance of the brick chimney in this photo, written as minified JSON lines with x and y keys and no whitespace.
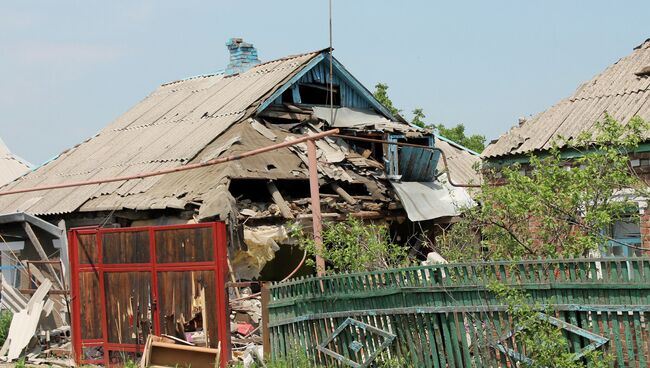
{"x":243,"y":56}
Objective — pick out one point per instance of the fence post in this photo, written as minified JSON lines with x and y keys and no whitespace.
{"x":266,"y":337}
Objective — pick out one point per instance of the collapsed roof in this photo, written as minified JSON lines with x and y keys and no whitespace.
{"x":622,"y":90}
{"x":202,"y":118}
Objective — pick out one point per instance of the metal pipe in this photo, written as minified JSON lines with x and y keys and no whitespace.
{"x":216,"y":161}
{"x":315,"y":206}
{"x":401,"y":144}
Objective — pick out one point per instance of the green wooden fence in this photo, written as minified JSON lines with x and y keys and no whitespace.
{"x":445,"y":315}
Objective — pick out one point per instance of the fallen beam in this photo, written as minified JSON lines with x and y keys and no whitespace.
{"x":279,"y":200}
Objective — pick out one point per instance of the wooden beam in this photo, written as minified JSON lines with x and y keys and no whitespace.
{"x":279,"y":200}
{"x":39,"y":249}
{"x":340,"y":191}
{"x":266,"y":336}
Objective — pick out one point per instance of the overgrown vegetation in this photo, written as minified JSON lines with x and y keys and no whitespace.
{"x":555,"y":207}
{"x":5,"y":322}
{"x":457,"y":133}
{"x":543,"y":343}
{"x":351,"y":246}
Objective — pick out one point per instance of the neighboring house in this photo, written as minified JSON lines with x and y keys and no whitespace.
{"x":252,"y":105}
{"x":11,"y":166}
{"x":623,"y":91}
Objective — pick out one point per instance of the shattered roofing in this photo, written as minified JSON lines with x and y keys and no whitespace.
{"x":11,"y":166}
{"x":169,"y":128}
{"x":461,"y":163}
{"x":622,"y":90}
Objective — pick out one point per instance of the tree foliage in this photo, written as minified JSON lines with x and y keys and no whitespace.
{"x":554,"y":207}
{"x":381,"y":94}
{"x":352,"y":246}
{"x":475,"y":142}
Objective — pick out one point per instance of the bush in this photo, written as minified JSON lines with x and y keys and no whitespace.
{"x":352,"y":246}
{"x":5,"y":322}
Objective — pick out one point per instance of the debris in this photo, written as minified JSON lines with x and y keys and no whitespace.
{"x":254,"y":354}
{"x":245,"y":329}
{"x":159,"y":352}
{"x":263,"y":130}
{"x":24,"y":323}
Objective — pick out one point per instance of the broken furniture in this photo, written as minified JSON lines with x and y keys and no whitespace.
{"x":166,"y":352}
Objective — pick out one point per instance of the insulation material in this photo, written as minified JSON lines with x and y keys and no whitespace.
{"x":262,"y":243}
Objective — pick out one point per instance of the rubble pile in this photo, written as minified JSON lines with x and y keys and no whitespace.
{"x":246,"y":325}
{"x":38,"y":329}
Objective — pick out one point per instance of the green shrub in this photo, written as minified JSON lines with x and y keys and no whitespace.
{"x":5,"y":322}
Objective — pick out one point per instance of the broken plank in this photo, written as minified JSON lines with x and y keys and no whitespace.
{"x":39,"y":249}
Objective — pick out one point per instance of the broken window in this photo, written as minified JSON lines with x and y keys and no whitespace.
{"x":625,"y":237}
{"x":411,"y":163}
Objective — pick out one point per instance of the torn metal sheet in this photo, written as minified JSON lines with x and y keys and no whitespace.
{"x":431,"y":200}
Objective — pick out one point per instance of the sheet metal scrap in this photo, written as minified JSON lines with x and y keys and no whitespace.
{"x":356,"y":346}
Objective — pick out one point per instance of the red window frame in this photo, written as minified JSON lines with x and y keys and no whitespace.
{"x":218,"y":265}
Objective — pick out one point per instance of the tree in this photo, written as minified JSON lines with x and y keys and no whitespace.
{"x":381,"y":94}
{"x":554,"y":207}
{"x":418,"y":118}
{"x":457,"y":134}
{"x":475,"y":142}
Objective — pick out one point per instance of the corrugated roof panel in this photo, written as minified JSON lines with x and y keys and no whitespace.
{"x":617,"y":90}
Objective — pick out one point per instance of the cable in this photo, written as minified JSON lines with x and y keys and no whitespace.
{"x":216,"y":161}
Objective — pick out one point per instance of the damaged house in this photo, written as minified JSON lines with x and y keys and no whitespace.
{"x":252,"y":105}
{"x":378,"y":168}
{"x":622,"y":90}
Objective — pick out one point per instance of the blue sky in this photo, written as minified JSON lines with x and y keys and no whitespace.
{"x":68,"y":68}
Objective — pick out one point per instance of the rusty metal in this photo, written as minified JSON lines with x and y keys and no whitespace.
{"x":315,"y":206}
{"x":178,"y":169}
{"x":401,"y":144}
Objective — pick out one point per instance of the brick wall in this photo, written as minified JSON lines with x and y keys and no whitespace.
{"x":640,"y":163}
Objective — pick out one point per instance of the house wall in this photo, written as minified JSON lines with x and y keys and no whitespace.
{"x":640,"y":163}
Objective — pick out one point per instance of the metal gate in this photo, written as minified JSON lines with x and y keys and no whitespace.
{"x":130,"y":282}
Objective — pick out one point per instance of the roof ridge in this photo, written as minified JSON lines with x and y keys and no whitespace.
{"x":643,"y":44}
{"x":222,"y":71}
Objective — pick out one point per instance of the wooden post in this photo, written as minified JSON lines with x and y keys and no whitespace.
{"x":315,"y":206}
{"x":266,"y":336}
{"x":39,"y":249}
{"x":279,"y":200}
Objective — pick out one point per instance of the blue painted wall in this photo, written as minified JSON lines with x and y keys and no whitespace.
{"x":320,"y":73}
